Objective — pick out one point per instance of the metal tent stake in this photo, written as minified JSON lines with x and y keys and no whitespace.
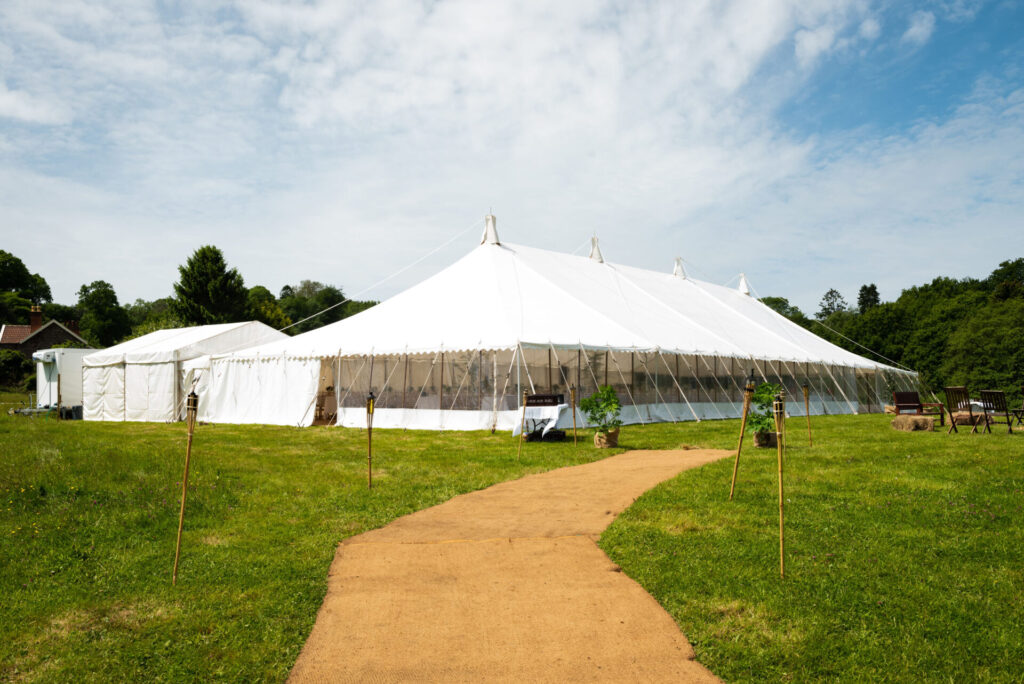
{"x":191,"y":406}
{"x":780,"y":427}
{"x":748,"y":392}
{"x":369,"y":441}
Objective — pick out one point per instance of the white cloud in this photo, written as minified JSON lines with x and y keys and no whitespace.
{"x":922,"y":24}
{"x":811,"y":44}
{"x":20,"y":105}
{"x":870,"y":29}
{"x":342,"y":141}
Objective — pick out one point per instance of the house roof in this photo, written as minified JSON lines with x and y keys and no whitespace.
{"x":14,"y":334}
{"x":18,"y":334}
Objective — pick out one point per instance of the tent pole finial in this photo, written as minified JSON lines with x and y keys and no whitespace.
{"x":490,"y":231}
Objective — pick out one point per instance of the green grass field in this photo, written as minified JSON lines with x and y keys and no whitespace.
{"x":89,"y":516}
{"x":905,"y":549}
{"x":905,"y":557}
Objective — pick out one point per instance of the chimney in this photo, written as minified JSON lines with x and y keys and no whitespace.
{"x":72,"y":326}
{"x":35,"y":318}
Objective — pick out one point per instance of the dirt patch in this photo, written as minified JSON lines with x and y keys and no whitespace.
{"x":504,"y":584}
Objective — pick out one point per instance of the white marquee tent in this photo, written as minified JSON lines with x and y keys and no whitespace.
{"x":457,"y":350}
{"x":59,"y":376}
{"x":147,"y":378}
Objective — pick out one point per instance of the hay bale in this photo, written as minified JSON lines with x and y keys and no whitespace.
{"x":964,"y":418}
{"x":890,"y":409}
{"x":909,"y":422}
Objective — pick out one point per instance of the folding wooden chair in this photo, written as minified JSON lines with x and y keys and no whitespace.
{"x":1019,"y":413}
{"x":994,"y":404}
{"x":958,"y":400}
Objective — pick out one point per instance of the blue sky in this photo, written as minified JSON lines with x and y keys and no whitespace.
{"x":811,"y":144}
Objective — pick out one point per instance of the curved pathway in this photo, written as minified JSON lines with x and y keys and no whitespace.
{"x":506,"y":583}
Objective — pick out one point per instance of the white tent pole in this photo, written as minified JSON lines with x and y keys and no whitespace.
{"x":494,"y":392}
{"x":458,"y":390}
{"x":643,"y":364}
{"x":504,"y":387}
{"x":676,"y":383}
{"x":628,"y":393}
{"x":526,"y":367}
{"x":354,"y":378}
{"x":714,"y":375}
{"x":430,"y":374}
{"x":386,"y":387}
{"x":519,"y":381}
{"x":337,"y":383}
{"x":840,"y":388}
{"x":696,"y":377}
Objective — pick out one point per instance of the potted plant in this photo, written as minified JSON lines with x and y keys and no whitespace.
{"x":761,"y":419}
{"x":602,"y":411}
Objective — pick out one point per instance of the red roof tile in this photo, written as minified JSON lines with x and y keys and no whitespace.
{"x":15,"y":334}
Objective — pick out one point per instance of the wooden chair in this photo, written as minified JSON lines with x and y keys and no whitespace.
{"x":911,"y":401}
{"x":958,"y":400}
{"x":994,"y":404}
{"x":1019,"y":413}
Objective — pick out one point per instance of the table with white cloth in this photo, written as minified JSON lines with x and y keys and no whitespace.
{"x":548,"y":415}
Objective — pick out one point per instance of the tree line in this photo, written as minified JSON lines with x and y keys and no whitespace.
{"x":953,"y":332}
{"x":207,"y":291}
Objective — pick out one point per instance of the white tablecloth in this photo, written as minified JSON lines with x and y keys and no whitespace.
{"x":549,"y":415}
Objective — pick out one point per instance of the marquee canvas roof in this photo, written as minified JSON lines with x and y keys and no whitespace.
{"x":180,"y":344}
{"x":502,"y":295}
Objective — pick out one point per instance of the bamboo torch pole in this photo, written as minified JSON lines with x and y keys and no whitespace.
{"x":807,"y":412}
{"x":191,"y":404}
{"x":369,"y":441}
{"x":780,"y":427}
{"x":572,"y":399}
{"x":748,"y":392}
{"x":522,"y":428}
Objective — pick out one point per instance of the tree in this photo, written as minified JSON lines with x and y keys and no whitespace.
{"x":1007,"y":281}
{"x":264,"y":307}
{"x":13,"y":368}
{"x":782,"y":306}
{"x":209,"y":292}
{"x":147,"y":317}
{"x":14,"y":277}
{"x":309,"y":298}
{"x":867,"y":297}
{"x":832,"y":302}
{"x":19,"y":289}
{"x":104,"y":321}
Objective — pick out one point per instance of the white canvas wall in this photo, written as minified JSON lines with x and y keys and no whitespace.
{"x":103,"y":392}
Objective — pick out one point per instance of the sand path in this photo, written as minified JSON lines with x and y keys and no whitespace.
{"x":503,"y":584}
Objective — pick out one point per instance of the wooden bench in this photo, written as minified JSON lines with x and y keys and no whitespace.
{"x":911,"y":401}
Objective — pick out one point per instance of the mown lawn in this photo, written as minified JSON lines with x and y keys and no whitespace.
{"x":905,"y":550}
{"x":89,"y":515}
{"x":905,"y":556}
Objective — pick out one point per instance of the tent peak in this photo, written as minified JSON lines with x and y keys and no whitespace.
{"x":490,"y":231}
{"x":595,"y":251}
{"x":679,"y":271}
{"x":744,"y":287}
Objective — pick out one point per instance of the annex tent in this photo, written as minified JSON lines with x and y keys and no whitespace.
{"x":59,"y":376}
{"x":457,"y":350}
{"x":148,"y":378}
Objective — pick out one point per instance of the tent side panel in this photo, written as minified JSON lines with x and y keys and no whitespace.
{"x":103,"y":393}
{"x":274,"y":391}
